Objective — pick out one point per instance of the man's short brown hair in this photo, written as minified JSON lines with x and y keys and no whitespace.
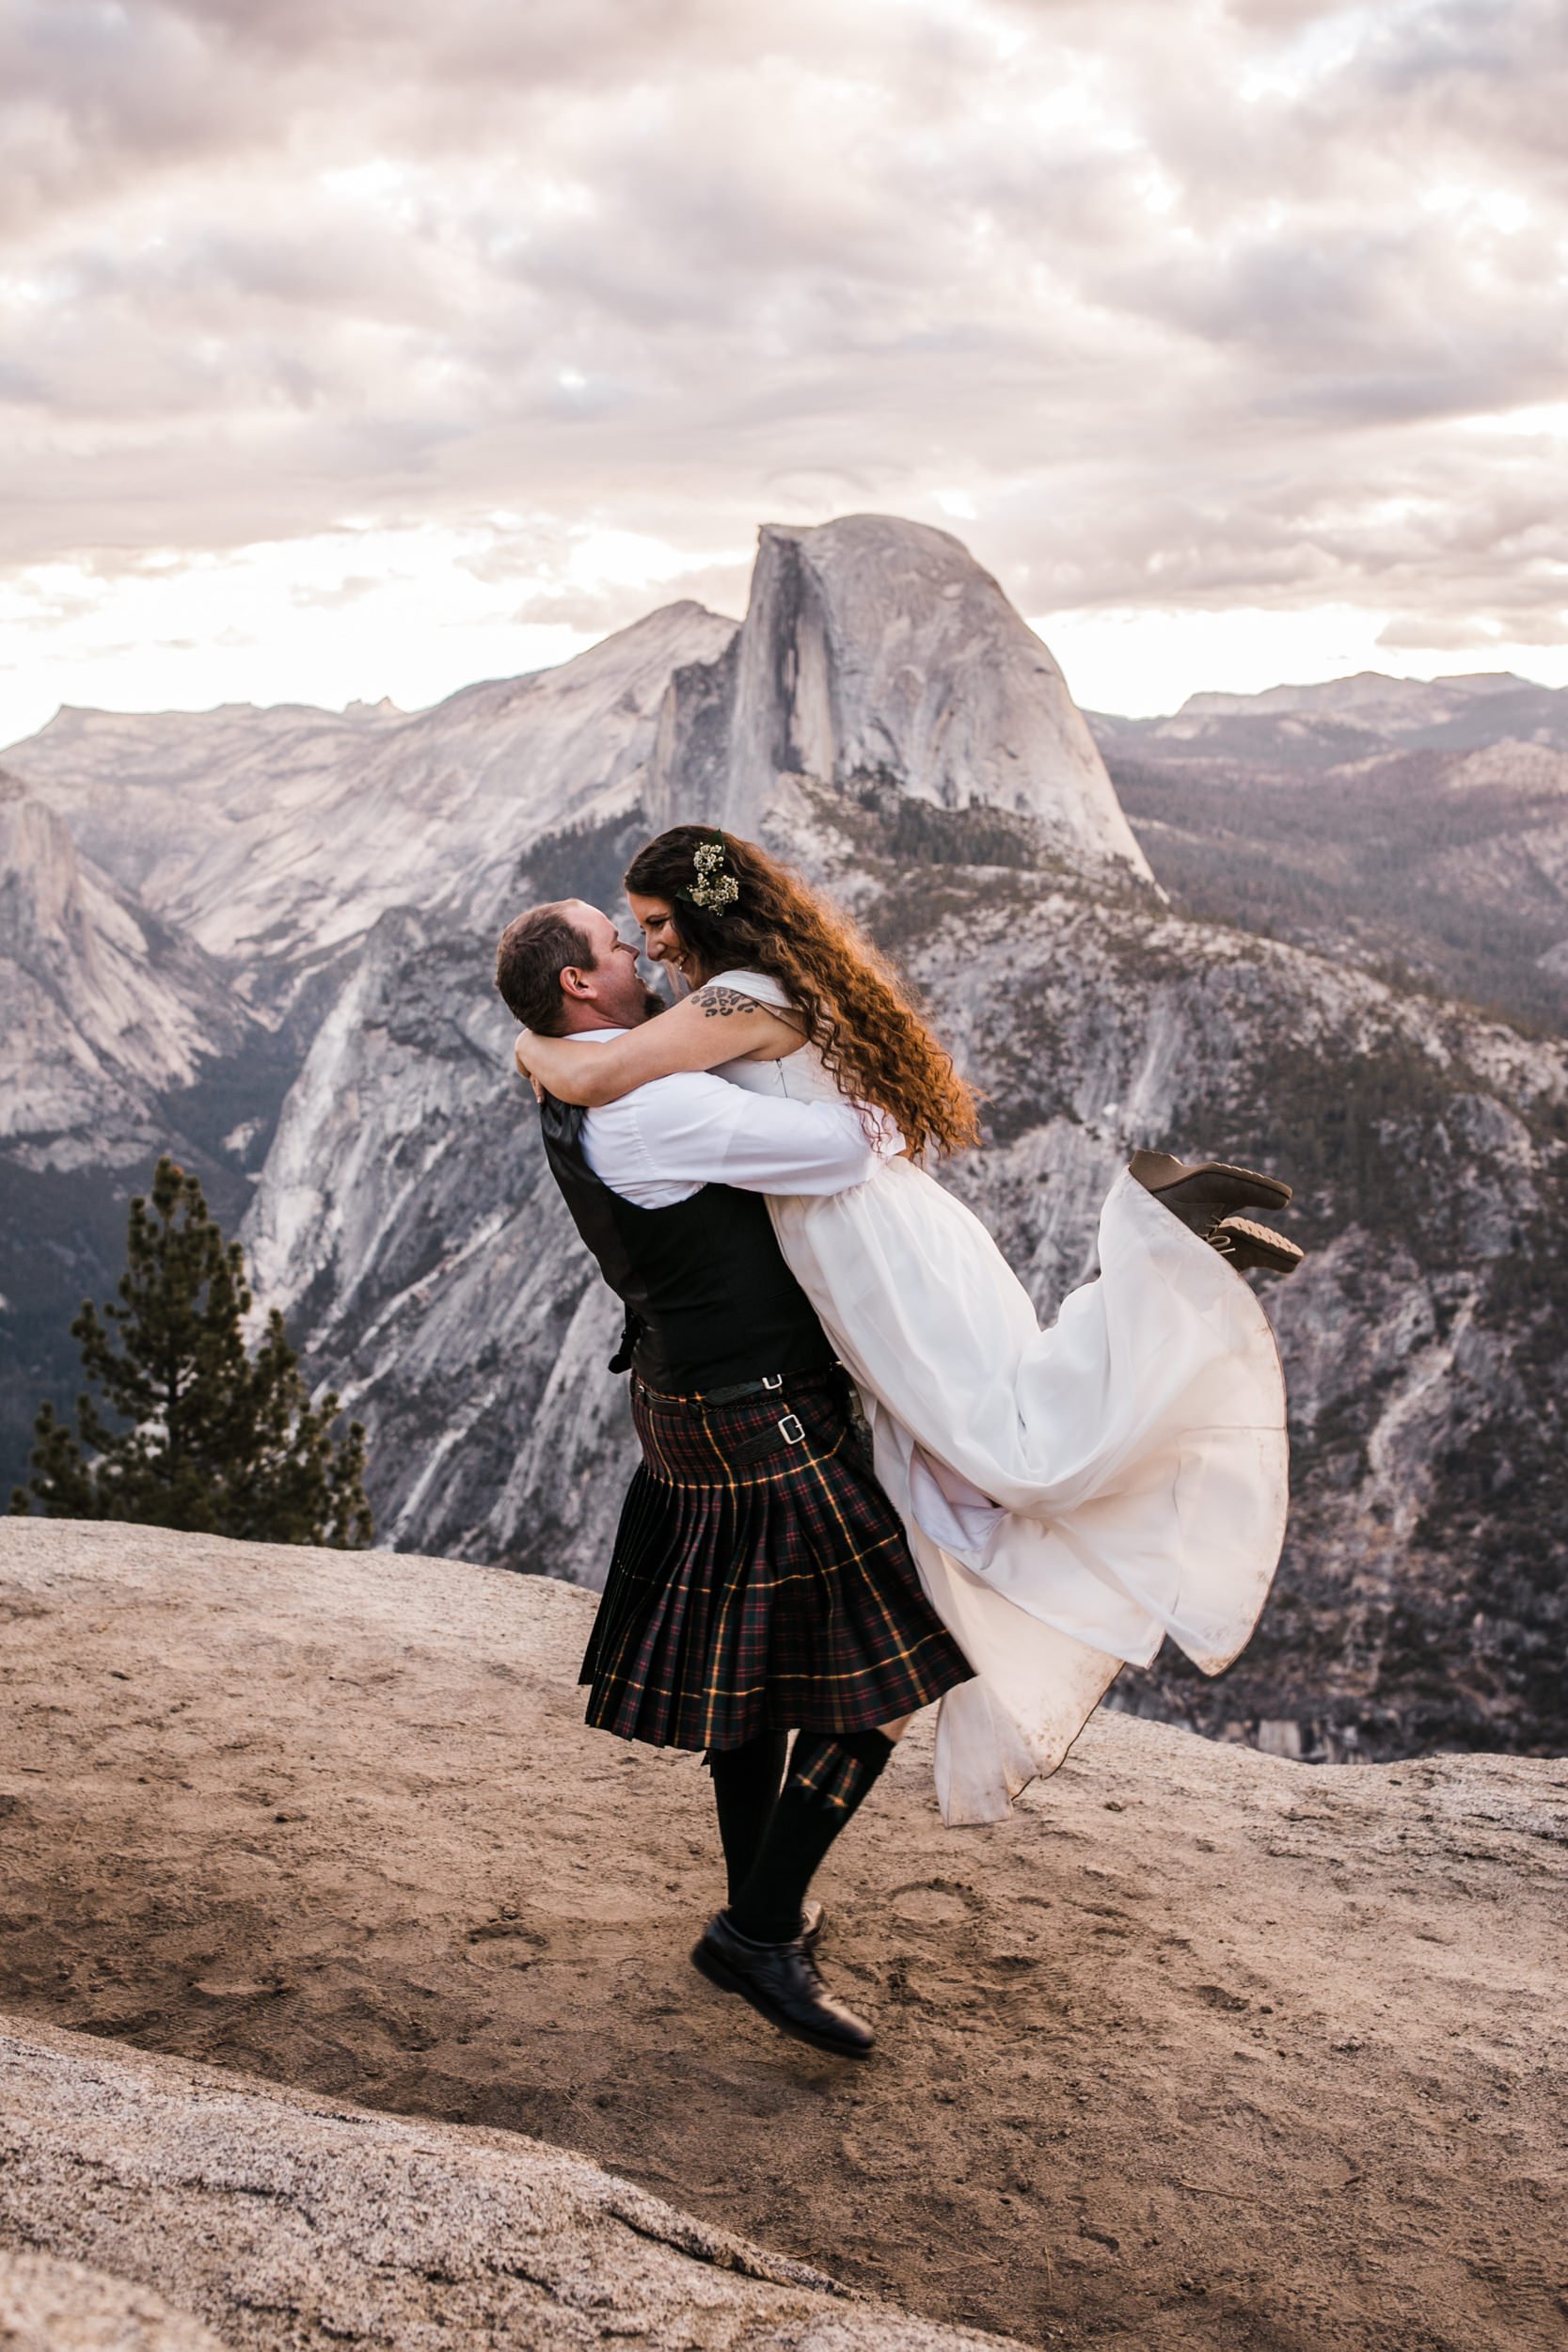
{"x":533,"y":953}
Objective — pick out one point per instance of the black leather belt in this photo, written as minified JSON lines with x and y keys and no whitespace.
{"x":787,"y":1430}
{"x":700,"y":1400}
{"x":742,"y":1389}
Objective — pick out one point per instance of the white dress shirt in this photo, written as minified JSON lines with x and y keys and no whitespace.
{"x":665,"y":1140}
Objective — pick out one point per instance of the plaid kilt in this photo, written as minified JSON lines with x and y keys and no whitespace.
{"x":765,"y":1595}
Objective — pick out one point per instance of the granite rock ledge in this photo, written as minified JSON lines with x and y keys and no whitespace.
{"x":289,"y":2220}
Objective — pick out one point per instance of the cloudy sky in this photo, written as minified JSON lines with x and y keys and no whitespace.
{"x":363,"y":347}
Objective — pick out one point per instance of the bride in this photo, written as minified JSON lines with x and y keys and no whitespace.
{"x":1072,"y":1494}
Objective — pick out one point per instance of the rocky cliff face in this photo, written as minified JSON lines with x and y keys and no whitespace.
{"x":120,"y":1036}
{"x":272,"y":838}
{"x":279,"y":838}
{"x":106,"y":1008}
{"x":876,"y":650}
{"x":884,"y":718}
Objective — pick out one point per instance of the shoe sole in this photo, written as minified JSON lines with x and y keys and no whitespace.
{"x":1261,"y":1252}
{"x":1143,"y":1166}
{"x":1198,"y":1188}
{"x":708,"y":1964}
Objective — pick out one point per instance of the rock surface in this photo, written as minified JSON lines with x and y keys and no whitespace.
{"x":1202,"y":2048}
{"x":876,"y":649}
{"x":293,"y":2223}
{"x":49,"y":2306}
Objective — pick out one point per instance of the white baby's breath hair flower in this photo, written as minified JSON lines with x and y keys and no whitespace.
{"x":714,"y":890}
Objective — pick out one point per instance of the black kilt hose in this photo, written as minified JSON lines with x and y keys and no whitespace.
{"x":764,"y":1594}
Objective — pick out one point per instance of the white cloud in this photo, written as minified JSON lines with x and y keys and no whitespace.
{"x":352,"y":613}
{"x":319,"y":620}
{"x":1242,"y":311}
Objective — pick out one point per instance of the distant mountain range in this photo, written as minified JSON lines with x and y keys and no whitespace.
{"x":1355,"y":717}
{"x":1266,"y":927}
{"x":1415,"y":829}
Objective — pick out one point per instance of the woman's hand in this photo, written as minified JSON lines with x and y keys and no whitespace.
{"x":520,"y":1064}
{"x":555,"y":1065}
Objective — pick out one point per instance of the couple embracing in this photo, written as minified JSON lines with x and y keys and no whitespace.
{"x":869,"y":1479}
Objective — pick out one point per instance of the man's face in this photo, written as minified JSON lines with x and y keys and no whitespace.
{"x":612,"y":995}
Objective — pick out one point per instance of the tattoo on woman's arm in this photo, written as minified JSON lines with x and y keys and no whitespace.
{"x":718,"y":1003}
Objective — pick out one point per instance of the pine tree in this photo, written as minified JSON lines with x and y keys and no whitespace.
{"x":218,"y":1442}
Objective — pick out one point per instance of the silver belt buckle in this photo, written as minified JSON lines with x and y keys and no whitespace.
{"x":791,"y":1430}
{"x":776,"y":1382}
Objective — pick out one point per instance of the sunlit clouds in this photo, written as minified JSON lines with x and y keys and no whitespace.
{"x":357,"y":348}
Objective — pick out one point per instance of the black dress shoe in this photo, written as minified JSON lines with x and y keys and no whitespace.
{"x":1208,"y":1189}
{"x":780,"y":1982}
{"x":1254,"y":1248}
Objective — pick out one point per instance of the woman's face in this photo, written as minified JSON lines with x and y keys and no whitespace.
{"x":661,"y":940}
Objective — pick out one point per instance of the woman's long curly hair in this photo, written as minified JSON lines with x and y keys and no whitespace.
{"x":855,"y":1009}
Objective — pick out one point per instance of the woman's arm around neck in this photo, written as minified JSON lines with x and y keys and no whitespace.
{"x":714,"y":1024}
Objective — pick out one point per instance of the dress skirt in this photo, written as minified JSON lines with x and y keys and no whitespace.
{"x":1075,"y":1495}
{"x":766,"y":1594}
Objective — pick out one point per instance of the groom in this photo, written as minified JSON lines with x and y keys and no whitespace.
{"x":760,"y":1581}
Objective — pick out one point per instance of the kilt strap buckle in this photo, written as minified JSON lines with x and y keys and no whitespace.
{"x":790,"y":1430}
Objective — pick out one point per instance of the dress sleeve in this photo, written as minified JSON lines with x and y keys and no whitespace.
{"x":762,"y":985}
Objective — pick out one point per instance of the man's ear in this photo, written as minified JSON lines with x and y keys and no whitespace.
{"x":573,"y":983}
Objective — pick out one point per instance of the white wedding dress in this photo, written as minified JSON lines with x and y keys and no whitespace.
{"x":1071,"y":1495}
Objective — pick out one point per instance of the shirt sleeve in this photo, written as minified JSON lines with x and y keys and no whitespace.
{"x":664,"y":1140}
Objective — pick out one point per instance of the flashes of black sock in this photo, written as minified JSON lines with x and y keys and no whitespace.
{"x":829,"y":1776}
{"x":745,"y":1790}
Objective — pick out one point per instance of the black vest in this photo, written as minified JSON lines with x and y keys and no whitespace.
{"x":709,"y":1300}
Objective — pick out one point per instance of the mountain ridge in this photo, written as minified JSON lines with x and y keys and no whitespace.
{"x":1444,"y":713}
{"x":1445,"y":863}
{"x":296,"y":853}
{"x":399,"y":1210}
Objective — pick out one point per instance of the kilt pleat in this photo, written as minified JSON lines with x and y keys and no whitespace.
{"x":751,"y":1597}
